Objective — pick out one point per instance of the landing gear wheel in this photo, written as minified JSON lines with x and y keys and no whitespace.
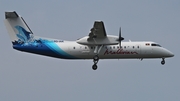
{"x":96,"y":58}
{"x":163,"y":61}
{"x":94,"y":67}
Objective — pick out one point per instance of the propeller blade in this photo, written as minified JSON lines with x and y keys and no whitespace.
{"x":120,"y":34}
{"x":120,"y":38}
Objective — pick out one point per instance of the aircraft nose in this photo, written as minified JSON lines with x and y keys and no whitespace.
{"x":169,"y":53}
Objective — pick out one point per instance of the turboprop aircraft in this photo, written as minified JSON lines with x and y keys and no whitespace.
{"x":97,"y":45}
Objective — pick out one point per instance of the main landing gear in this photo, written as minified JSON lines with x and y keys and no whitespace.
{"x":95,"y":60}
{"x":163,"y":61}
{"x":96,"y":57}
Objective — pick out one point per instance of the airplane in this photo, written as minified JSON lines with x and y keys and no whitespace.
{"x":97,"y":45}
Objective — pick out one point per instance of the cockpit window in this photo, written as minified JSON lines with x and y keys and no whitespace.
{"x":153,"y":44}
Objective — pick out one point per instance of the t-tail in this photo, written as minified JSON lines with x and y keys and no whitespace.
{"x":17,"y":28}
{"x":23,"y":39}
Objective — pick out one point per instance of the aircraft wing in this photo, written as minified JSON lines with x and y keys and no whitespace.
{"x":98,"y":30}
{"x":98,"y":36}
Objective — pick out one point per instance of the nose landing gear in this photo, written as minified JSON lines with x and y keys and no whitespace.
{"x":163,"y":61}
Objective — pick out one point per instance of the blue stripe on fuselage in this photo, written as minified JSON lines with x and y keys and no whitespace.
{"x":46,"y":48}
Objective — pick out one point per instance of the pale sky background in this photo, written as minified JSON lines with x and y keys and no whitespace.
{"x":29,"y":77}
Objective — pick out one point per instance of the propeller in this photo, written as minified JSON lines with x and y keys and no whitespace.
{"x":120,"y":38}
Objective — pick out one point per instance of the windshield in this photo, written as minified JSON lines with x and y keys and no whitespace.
{"x":153,"y":44}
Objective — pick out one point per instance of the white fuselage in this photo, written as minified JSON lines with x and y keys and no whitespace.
{"x":127,"y":50}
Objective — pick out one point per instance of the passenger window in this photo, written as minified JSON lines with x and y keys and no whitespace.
{"x":124,"y":46}
{"x":118,"y":47}
{"x":147,"y":44}
{"x":137,"y":46}
{"x":55,"y":41}
{"x":133,"y":46}
{"x":85,"y":47}
{"x":114,"y":47}
{"x":73,"y":47}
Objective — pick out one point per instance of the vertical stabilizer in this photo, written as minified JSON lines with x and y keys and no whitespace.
{"x":17,"y":28}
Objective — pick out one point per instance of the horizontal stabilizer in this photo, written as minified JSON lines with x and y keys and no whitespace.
{"x":11,"y":15}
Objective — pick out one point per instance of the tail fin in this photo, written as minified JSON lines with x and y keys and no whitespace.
{"x":18,"y":30}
